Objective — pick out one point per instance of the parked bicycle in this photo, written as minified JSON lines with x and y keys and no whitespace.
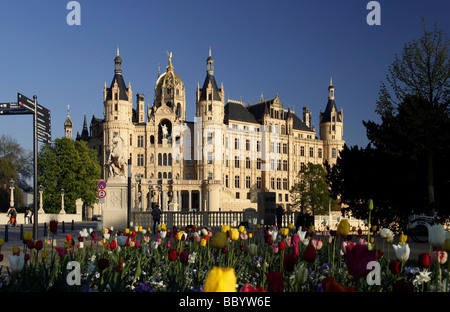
{"x":417,"y":226}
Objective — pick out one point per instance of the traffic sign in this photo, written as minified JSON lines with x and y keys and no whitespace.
{"x":43,"y":120}
{"x":101,"y":185}
{"x":13,"y":109}
{"x":101,"y":194}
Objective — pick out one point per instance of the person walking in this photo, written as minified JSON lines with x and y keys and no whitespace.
{"x":156,"y":214}
{"x":12,"y":213}
{"x":279,"y":213}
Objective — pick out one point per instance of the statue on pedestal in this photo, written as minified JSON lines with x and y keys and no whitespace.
{"x":116,"y":160}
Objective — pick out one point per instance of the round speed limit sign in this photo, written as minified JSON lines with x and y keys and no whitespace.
{"x":101,"y":194}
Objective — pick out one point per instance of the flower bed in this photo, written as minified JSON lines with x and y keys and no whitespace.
{"x":233,"y":259}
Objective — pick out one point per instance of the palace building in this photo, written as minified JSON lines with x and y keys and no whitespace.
{"x":222,"y":159}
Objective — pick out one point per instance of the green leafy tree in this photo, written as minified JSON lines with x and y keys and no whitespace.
{"x":415,"y":100}
{"x":68,"y":165}
{"x":20,"y":159}
{"x":312,"y":191}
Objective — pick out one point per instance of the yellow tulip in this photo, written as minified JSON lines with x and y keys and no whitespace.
{"x":220,"y":280}
{"x":242,"y":229}
{"x":163,"y":227}
{"x":402,"y":239}
{"x":374,"y":228}
{"x":343,"y":228}
{"x":1,"y":242}
{"x":140,"y":228}
{"x":258,"y":226}
{"x":203,"y":242}
{"x":234,"y":234}
{"x":311,"y":228}
{"x":127,"y":231}
{"x":290,"y":226}
{"x":370,"y":204}
{"x":180,"y":235}
{"x":219,"y":240}
{"x":105,"y":231}
{"x":250,"y":235}
{"x":284,"y":231}
{"x":225,"y":228}
{"x":15,"y":250}
{"x":28,"y":235}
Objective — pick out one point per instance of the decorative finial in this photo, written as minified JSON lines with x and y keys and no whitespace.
{"x":331,"y":81}
{"x":169,"y":67}
{"x":68,"y":109}
{"x":117,"y":50}
{"x":209,"y":50}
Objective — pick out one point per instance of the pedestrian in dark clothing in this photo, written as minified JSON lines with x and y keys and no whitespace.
{"x":279,"y":213}
{"x":156,"y":214}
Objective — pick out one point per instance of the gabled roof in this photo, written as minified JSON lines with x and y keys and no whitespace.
{"x":236,"y":111}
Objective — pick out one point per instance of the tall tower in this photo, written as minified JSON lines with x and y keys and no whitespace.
{"x":68,"y":125}
{"x":118,"y":113}
{"x":210,"y":115}
{"x":331,"y":128}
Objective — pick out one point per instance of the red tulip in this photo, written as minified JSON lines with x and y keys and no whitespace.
{"x":379,"y":254}
{"x":30,"y":244}
{"x":1,"y":257}
{"x":357,"y":259}
{"x":424,"y":260}
{"x":394,"y":266}
{"x":27,"y":256}
{"x":242,"y":247}
{"x":53,"y":226}
{"x":39,"y":245}
{"x":276,"y":283}
{"x":184,"y":256}
{"x":282,"y":245}
{"x":68,"y":237}
{"x":330,"y":285}
{"x":173,"y":254}
{"x":113,"y":244}
{"x":310,"y":253}
{"x":225,"y":249}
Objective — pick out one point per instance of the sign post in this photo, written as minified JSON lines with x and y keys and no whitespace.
{"x":41,"y":132}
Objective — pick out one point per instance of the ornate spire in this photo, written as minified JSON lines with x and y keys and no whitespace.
{"x":210,"y":64}
{"x":331,"y":90}
{"x":118,"y":63}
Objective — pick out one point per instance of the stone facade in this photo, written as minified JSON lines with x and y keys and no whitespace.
{"x":219,"y":161}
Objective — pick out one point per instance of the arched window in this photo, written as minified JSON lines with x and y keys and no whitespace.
{"x":164,"y":175}
{"x":170,"y":159}
{"x":159,"y":159}
{"x":165,"y":159}
{"x":159,"y":175}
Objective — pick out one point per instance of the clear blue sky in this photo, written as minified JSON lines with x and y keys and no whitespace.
{"x":287,"y":47}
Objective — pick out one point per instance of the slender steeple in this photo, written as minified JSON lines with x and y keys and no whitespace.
{"x":118,"y":63}
{"x":331,"y":90}
{"x":68,"y":124}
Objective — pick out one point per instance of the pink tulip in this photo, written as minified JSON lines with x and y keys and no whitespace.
{"x":357,"y":258}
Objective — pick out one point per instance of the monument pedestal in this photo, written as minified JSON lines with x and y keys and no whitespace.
{"x":115,"y":211}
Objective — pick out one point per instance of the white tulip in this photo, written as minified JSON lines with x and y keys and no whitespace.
{"x":16,"y":262}
{"x":436,"y":235}
{"x":401,"y":252}
{"x":386,"y":233}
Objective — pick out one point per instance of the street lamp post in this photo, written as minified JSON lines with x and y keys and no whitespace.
{"x":11,"y":198}
{"x":41,"y":190}
{"x":149,"y":204}
{"x":62,"y":202}
{"x":136,"y":192}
